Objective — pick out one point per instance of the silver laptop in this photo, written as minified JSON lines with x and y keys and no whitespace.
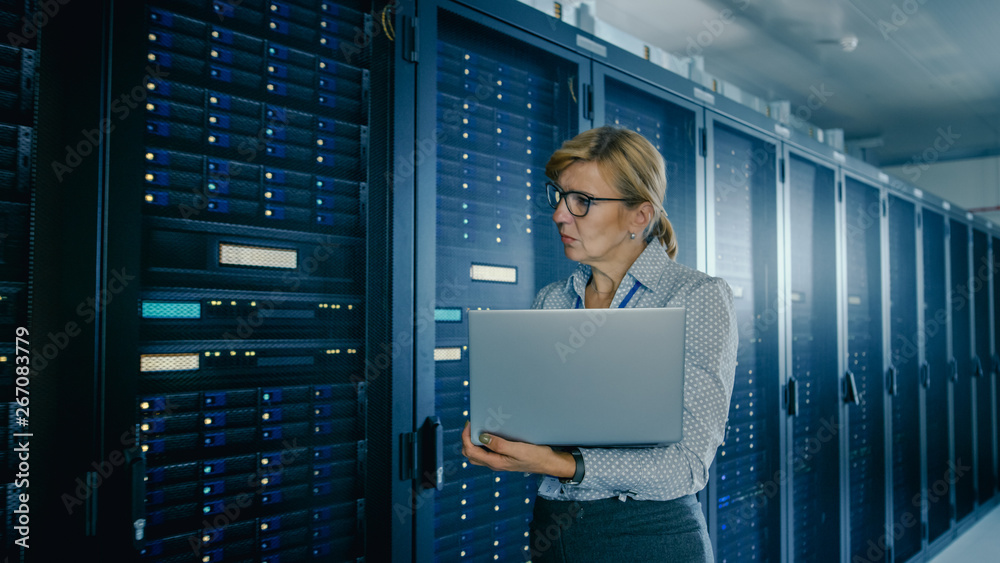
{"x":580,"y":377}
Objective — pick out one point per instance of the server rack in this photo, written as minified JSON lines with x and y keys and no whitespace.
{"x":935,"y":375}
{"x":811,"y":392}
{"x":243,"y":21}
{"x":864,"y":385}
{"x":235,"y":195}
{"x":674,"y":127}
{"x":903,"y":378}
{"x":17,"y":188}
{"x":963,"y":367}
{"x":503,"y":101}
{"x":980,"y":289}
{"x":744,"y":486}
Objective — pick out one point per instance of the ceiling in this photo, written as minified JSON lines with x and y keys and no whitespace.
{"x":923,"y":71}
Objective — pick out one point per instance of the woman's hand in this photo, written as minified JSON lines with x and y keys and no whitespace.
{"x":507,"y":455}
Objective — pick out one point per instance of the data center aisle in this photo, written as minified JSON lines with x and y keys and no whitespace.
{"x":980,"y":543}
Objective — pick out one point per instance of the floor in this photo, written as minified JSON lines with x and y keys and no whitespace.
{"x":979,"y":543}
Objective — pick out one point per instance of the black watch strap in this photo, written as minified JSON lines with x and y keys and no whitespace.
{"x":578,"y":475}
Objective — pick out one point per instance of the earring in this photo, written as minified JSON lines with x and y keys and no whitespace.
{"x":633,"y":236}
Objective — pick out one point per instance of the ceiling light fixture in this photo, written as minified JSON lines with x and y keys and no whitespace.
{"x":849,"y":43}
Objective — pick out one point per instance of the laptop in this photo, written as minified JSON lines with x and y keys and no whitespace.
{"x":578,"y":377}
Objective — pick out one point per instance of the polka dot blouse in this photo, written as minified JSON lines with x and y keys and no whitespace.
{"x":664,"y":473}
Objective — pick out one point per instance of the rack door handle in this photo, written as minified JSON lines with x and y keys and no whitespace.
{"x":792,"y":396}
{"x":851,"y":394}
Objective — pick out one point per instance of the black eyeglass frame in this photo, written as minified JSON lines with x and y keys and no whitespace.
{"x":563,"y":193}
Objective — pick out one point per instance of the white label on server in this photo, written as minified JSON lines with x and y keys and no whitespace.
{"x":258,"y":256}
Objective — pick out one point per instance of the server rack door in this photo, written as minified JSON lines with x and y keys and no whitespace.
{"x":984,"y":381}
{"x":994,"y":359}
{"x":17,"y":193}
{"x":812,"y":390}
{"x":253,"y":293}
{"x":935,"y":375}
{"x":504,"y":103}
{"x":963,"y":370}
{"x":744,"y":505}
{"x":903,"y":378}
{"x":864,"y":378}
{"x":674,"y":129}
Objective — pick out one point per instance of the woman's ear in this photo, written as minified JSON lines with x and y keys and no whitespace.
{"x":644,"y":214}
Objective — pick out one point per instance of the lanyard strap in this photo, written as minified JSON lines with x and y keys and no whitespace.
{"x":628,"y":297}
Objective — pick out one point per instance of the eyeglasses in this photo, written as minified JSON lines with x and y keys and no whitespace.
{"x":577,"y":203}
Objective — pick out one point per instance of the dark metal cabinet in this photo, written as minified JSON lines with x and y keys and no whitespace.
{"x":811,"y":391}
{"x":864,"y":380}
{"x":963,"y":368}
{"x":252,"y":391}
{"x":674,"y":127}
{"x":903,"y":379}
{"x":935,"y":374}
{"x":503,"y":103}
{"x":744,"y":499}
{"x":980,"y":290}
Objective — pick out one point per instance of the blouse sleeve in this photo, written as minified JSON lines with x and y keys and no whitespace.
{"x":709,"y":367}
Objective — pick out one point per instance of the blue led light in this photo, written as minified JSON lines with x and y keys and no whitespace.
{"x":171,"y":310}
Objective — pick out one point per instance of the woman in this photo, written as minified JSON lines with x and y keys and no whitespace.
{"x":628,"y":504}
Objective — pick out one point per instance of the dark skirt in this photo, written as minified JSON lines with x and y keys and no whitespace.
{"x":612,"y":530}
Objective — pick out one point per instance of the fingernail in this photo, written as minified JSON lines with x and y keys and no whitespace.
{"x":484,"y":438}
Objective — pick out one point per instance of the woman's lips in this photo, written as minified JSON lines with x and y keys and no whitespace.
{"x":567,"y":239}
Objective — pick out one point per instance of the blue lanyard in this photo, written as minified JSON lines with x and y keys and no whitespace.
{"x":631,"y":292}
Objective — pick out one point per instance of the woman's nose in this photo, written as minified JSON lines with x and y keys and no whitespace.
{"x":561,"y":213}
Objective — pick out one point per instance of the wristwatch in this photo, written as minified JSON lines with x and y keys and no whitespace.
{"x":578,"y":475}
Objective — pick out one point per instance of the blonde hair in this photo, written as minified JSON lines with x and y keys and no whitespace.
{"x":630,"y":164}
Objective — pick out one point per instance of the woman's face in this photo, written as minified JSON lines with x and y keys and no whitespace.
{"x":604,"y":231}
